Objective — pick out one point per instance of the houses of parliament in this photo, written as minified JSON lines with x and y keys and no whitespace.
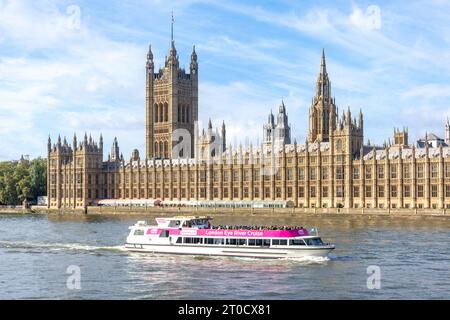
{"x":333,"y":168}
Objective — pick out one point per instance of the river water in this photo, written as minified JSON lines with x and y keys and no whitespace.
{"x":39,"y":253}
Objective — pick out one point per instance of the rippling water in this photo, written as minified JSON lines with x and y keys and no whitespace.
{"x":35,"y":251}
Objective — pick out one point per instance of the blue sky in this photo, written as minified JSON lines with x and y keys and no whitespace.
{"x":76,"y":66}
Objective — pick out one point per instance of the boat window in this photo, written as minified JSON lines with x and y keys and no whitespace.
{"x":179,"y":240}
{"x":209,"y":241}
{"x":193,"y":240}
{"x":139,"y":232}
{"x":259,"y":242}
{"x":266,"y":242}
{"x":174,"y":224}
{"x":296,"y":242}
{"x":242,"y":242}
{"x":283,"y":242}
{"x":164,"y":234}
{"x":232,"y":242}
{"x":252,"y":242}
{"x":275,"y":242}
{"x":219,"y":241}
{"x":316,"y":242}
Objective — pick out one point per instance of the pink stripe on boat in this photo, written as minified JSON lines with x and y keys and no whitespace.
{"x":233,"y":233}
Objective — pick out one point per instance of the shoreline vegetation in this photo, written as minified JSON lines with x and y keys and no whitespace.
{"x":22,"y":180}
{"x":278,"y":212}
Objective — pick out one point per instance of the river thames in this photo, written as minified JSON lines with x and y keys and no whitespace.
{"x":38,"y":254}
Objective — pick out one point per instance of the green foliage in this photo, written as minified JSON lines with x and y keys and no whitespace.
{"x":20,"y":180}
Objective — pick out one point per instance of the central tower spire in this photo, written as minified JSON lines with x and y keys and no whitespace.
{"x":323,"y":65}
{"x":322,"y":112}
{"x":171,"y":31}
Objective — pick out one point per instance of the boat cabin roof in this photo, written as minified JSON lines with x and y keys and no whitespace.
{"x":187,"y":218}
{"x":181,"y":220}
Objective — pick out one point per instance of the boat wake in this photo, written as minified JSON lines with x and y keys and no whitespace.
{"x":28,"y":245}
{"x":308,"y":259}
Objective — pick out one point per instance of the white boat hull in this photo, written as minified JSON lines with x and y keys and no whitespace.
{"x":235,"y":251}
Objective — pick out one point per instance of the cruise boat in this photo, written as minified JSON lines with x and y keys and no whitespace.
{"x":195,"y":235}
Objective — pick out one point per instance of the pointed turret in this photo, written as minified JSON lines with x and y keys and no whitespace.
{"x":447,"y":132}
{"x":323,"y":65}
{"x":150,"y":53}
{"x":193,"y":55}
{"x":360,"y":119}
{"x":322,"y":113}
{"x":349,"y":116}
{"x":172,"y":59}
{"x":101,"y":142}
{"x":150,"y":64}
{"x":224,"y":137}
{"x":271,"y":119}
{"x":282,"y":108}
{"x":74,"y":141}
{"x":49,"y":143}
{"x":115,"y":150}
{"x":323,"y":83}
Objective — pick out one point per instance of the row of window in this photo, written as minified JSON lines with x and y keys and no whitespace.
{"x":255,"y":175}
{"x":250,"y":242}
{"x":313,"y":192}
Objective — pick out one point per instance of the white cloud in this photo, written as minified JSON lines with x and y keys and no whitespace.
{"x":61,"y":71}
{"x":369,"y":20}
{"x":430,"y":91}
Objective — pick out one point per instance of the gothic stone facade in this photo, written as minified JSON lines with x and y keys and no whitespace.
{"x":333,"y":168}
{"x":171,"y":104}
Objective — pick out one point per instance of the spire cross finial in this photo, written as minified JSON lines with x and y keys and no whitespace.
{"x":171,"y":34}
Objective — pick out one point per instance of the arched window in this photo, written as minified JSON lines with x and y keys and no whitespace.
{"x":155,"y":113}
{"x":183,"y":118}
{"x":156,"y":149}
{"x":161,"y":112}
{"x":339,"y":145}
{"x":166,"y":112}
{"x":179,"y":113}
{"x":187,"y":114}
{"x":161,"y":151}
{"x":166,"y":150}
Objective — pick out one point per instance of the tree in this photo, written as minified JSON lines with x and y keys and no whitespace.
{"x":20,"y":180}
